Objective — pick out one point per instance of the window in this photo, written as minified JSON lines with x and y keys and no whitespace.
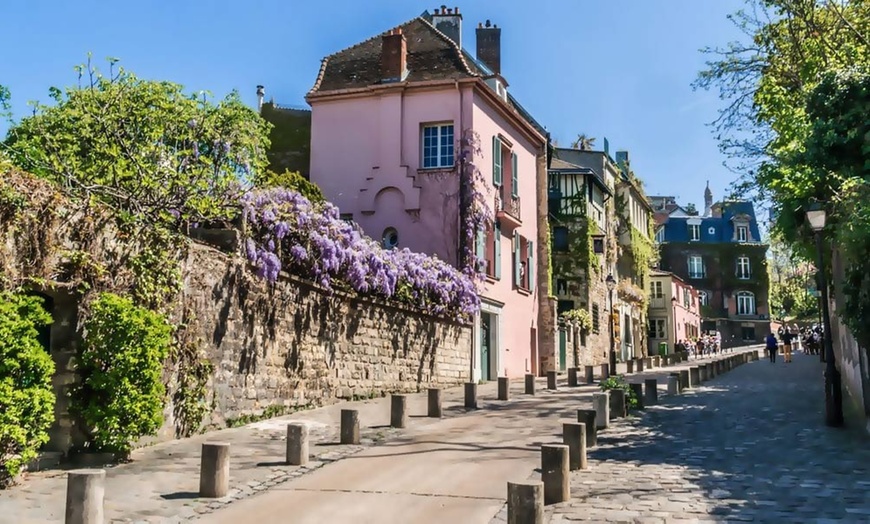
{"x":656,"y":290}
{"x":390,"y":238}
{"x":488,"y":251}
{"x":524,"y":262}
{"x":725,"y":302}
{"x":514,"y":178}
{"x":561,"y":287}
{"x":745,"y":303}
{"x":658,"y":328}
{"x":660,"y":234}
{"x":596,"y":320}
{"x":703,"y":298}
{"x":496,"y":161}
{"x":687,"y":298}
{"x":563,"y":306}
{"x":743,"y":272}
{"x":748,"y":333}
{"x":694,"y":232}
{"x":560,"y":239}
{"x":696,"y":266}
{"x":742,"y":234}
{"x":438,"y":146}
{"x":598,"y":246}
{"x":347,"y":217}
{"x":712,"y":231}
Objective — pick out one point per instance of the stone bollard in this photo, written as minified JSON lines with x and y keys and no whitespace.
{"x":590,"y":374}
{"x":471,"y":395}
{"x":572,"y":378}
{"x":574,"y":436}
{"x":711,"y":371}
{"x":641,"y":365}
{"x":504,"y":388}
{"x":434,"y":410}
{"x":554,"y":473}
{"x":637,"y":389}
{"x":629,"y":367}
{"x":350,"y":426}
{"x":530,"y":384}
{"x":673,"y":384}
{"x":551,"y":380}
{"x":296,"y":453}
{"x":694,"y":376}
{"x":587,"y":417}
{"x":657,"y":361}
{"x":684,"y":380}
{"x":214,"y":469}
{"x":85,"y":491}
{"x":617,"y":403}
{"x":601,"y":403}
{"x":398,"y":411}
{"x":525,"y":502}
{"x":651,"y":392}
{"x":605,"y":372}
{"x":702,"y":373}
{"x":648,"y":363}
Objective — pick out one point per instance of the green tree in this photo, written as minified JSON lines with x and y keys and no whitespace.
{"x":26,"y":397}
{"x":145,"y":147}
{"x":290,"y":180}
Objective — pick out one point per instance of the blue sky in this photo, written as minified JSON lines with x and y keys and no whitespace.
{"x":619,"y":69}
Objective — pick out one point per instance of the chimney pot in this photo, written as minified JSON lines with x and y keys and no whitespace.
{"x":488,"y":23}
{"x":456,"y":10}
{"x":479,"y":25}
{"x":437,"y":12}
{"x":449,"y":11}
{"x":444,"y":8}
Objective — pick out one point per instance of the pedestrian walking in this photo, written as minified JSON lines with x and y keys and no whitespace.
{"x":787,"y":338}
{"x":771,"y":347}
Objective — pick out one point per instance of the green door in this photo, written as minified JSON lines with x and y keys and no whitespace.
{"x":563,"y":349}
{"x":484,"y":346}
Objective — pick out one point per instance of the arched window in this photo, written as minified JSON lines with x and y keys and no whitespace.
{"x":703,"y":298}
{"x":745,"y":303}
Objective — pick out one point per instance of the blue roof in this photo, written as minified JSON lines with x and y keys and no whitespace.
{"x":714,"y":229}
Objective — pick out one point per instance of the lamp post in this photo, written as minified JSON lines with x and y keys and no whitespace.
{"x":674,"y":308}
{"x":833,"y":394}
{"x":611,"y":284}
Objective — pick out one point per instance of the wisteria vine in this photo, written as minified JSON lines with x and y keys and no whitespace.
{"x":477,"y":216}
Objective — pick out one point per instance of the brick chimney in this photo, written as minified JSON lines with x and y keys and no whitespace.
{"x":394,"y":55}
{"x":449,"y":22}
{"x":489,"y":46}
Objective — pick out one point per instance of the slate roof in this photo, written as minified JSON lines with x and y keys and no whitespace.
{"x":676,"y":228}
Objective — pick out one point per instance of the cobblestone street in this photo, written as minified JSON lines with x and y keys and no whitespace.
{"x":750,"y":446}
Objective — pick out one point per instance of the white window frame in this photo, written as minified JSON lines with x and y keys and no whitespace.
{"x":743,"y":233}
{"x":745,"y":303}
{"x":660,"y":234}
{"x":660,"y":327}
{"x":703,"y":298}
{"x":700,"y":265}
{"x":439,"y":146}
{"x":694,"y":232}
{"x":656,"y":289}
{"x":744,"y":270}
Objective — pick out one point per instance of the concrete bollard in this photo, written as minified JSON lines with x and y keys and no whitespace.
{"x":673,"y":384}
{"x":296,"y":453}
{"x":434,"y":405}
{"x":702,"y":373}
{"x":684,"y":380}
{"x":641,"y":365}
{"x":601,"y":403}
{"x":651,"y":392}
{"x":525,"y":502}
{"x":471,"y":395}
{"x":648,"y":363}
{"x":398,"y":411}
{"x":214,"y":469}
{"x":85,"y":491}
{"x":617,"y":403}
{"x":590,"y":374}
{"x":554,"y":473}
{"x":711,"y":370}
{"x":530,"y":384}
{"x":587,"y":417}
{"x":694,"y":376}
{"x":629,"y":367}
{"x":551,"y":380}
{"x":637,"y":389}
{"x":604,"y":374}
{"x":574,"y":436}
{"x":349,"y":426}
{"x":504,"y":388}
{"x":572,"y":378}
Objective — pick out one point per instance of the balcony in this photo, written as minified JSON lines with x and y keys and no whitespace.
{"x":657,"y":303}
{"x":507,"y":208}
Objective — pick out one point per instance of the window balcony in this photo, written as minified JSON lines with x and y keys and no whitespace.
{"x":507,"y":209}
{"x":657,"y":303}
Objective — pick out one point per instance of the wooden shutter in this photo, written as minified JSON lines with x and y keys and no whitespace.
{"x":530,"y":270}
{"x":497,"y":245}
{"x":514,"y":178}
{"x":517,"y":280}
{"x":496,"y":161}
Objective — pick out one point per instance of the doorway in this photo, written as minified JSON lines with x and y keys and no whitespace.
{"x":485,"y":346}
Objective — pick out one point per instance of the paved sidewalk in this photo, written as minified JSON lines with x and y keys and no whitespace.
{"x":467,"y":456}
{"x":748,"y":446}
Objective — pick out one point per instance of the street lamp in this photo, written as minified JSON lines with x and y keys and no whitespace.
{"x":833,"y":394}
{"x":611,"y":284}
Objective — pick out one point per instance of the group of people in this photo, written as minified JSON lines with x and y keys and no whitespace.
{"x":706,"y":344}
{"x":794,"y":338}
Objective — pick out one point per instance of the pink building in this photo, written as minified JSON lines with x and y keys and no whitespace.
{"x":674,"y":311}
{"x":389,"y":119}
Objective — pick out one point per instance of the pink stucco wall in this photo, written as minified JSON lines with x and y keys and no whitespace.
{"x":686,"y":315}
{"x":366,"y":156}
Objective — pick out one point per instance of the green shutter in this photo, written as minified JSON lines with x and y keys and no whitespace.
{"x":496,"y":161}
{"x":514,"y":177}
{"x":531,"y":265}
{"x":517,"y":280}
{"x":497,"y":250}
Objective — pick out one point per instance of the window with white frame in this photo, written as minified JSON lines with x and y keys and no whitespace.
{"x":658,"y":328}
{"x":656,"y":290}
{"x":696,"y":266}
{"x":742,"y":233}
{"x":687,"y":298}
{"x":694,"y":232}
{"x":438,"y":146}
{"x":745,"y":303}
{"x":743,"y":270}
{"x":660,"y":234}
{"x":703,"y":298}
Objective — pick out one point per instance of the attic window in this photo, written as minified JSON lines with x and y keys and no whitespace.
{"x":500,"y":90}
{"x":712,"y":230}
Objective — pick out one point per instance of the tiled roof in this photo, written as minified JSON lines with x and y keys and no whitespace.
{"x":431,"y":56}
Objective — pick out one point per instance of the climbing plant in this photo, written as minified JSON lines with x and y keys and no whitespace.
{"x":579,"y":318}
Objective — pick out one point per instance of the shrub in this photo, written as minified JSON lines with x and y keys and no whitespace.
{"x":618,"y":382}
{"x":291,"y":180}
{"x":121,"y":398}
{"x":26,"y":397}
